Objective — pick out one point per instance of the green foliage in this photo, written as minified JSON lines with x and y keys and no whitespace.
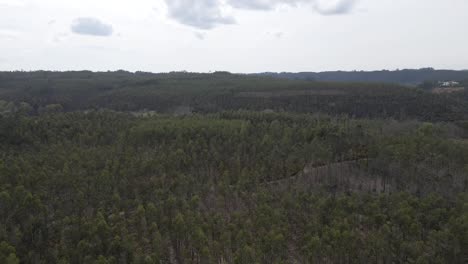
{"x":238,"y":187}
{"x":8,"y":254}
{"x":185,"y":93}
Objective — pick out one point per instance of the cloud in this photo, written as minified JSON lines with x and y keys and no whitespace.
{"x":202,"y":14}
{"x":200,"y":35}
{"x":207,"y":14}
{"x":324,"y":7}
{"x":91,"y":26}
{"x":335,"y":7}
{"x":253,"y":4}
{"x":276,"y":34}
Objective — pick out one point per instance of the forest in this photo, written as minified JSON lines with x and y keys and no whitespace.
{"x":404,"y":76}
{"x":184,"y":92}
{"x":120,"y":167}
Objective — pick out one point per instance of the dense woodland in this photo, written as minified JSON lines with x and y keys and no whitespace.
{"x":219,"y":168}
{"x":405,"y":76}
{"x":181,"y":92}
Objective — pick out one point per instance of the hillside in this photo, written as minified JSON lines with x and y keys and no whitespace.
{"x":175,"y":168}
{"x":103,"y":186}
{"x":404,"y":77}
{"x":207,"y":93}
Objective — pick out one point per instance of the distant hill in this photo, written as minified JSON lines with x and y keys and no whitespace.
{"x":406,"y":77}
{"x":182,"y":92}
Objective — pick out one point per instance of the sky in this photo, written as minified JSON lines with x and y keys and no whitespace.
{"x":233,"y":35}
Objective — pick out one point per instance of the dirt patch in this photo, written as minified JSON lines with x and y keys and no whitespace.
{"x":447,"y":90}
{"x":270,"y":94}
{"x":346,"y":176}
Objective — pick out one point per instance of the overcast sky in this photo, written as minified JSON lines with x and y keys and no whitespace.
{"x":233,"y":35}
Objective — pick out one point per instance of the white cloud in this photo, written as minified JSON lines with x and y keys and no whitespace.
{"x":200,"y":35}
{"x":325,"y":7}
{"x":91,"y":26}
{"x":276,"y":34}
{"x":203,"y":14}
{"x":334,"y":7}
{"x":253,"y":4}
{"x":207,"y":14}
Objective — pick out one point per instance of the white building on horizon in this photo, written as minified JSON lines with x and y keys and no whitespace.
{"x":449,"y":84}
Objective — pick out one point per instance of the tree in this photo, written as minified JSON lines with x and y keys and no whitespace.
{"x":8,"y":254}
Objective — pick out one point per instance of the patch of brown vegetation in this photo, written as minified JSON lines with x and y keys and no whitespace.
{"x":442,"y":90}
{"x":270,"y":94}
